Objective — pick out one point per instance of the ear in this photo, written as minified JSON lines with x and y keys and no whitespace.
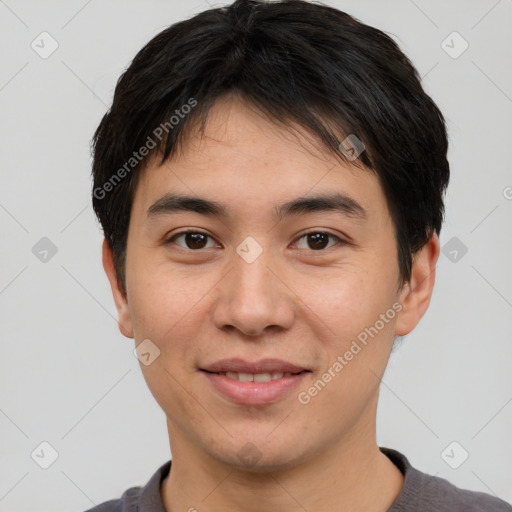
{"x":125,"y":322}
{"x":416,"y":294}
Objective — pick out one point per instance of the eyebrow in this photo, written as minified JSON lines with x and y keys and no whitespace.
{"x":337,"y":202}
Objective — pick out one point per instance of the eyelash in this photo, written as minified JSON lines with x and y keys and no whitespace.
{"x":315,"y":232}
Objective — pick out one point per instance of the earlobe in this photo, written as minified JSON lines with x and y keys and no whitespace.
{"x":415,"y":296}
{"x":120,"y":299}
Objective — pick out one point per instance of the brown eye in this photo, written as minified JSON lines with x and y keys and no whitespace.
{"x":194,"y":240}
{"x":318,"y":240}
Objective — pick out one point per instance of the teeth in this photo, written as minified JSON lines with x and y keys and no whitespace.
{"x":256,"y":377}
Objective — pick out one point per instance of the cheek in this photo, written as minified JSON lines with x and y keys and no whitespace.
{"x":171,"y":310}
{"x":160,"y":300}
{"x":357,"y":308}
{"x":347,"y":299}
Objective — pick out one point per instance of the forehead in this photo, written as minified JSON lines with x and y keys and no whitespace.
{"x":245,"y":159}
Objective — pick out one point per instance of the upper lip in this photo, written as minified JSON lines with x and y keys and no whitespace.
{"x":261,"y":366}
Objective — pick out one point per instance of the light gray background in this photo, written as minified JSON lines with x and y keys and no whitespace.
{"x":68,"y":377}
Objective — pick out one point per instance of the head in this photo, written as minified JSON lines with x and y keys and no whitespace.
{"x":245,"y":109}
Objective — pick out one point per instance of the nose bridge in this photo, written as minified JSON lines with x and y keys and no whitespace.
{"x":252,"y":297}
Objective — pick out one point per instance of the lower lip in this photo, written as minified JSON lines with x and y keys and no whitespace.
{"x":254,"y":393}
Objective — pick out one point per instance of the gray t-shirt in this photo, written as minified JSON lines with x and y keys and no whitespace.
{"x":420,"y":493}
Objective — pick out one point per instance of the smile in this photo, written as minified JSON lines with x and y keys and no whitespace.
{"x":255,"y":377}
{"x":254,"y":389}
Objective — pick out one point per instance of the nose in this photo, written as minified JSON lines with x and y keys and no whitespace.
{"x":254,"y":297}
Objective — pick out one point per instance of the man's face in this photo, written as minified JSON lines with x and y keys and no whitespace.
{"x":280,"y":294}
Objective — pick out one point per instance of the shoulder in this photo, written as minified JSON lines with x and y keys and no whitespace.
{"x":138,"y":499}
{"x":444,"y":496}
{"x":127,"y":502}
{"x":427,"y":493}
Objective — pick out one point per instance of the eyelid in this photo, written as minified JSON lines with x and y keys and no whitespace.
{"x":317,"y":230}
{"x":172,"y":237}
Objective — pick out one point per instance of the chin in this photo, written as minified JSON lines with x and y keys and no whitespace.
{"x":253,"y":456}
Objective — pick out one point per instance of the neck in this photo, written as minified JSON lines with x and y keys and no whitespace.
{"x":351,"y":475}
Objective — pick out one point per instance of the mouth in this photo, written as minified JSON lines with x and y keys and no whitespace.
{"x":261,"y":383}
{"x":256,"y":377}
{"x":261,"y":367}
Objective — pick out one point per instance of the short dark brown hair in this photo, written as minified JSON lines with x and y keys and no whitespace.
{"x":295,"y":61}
